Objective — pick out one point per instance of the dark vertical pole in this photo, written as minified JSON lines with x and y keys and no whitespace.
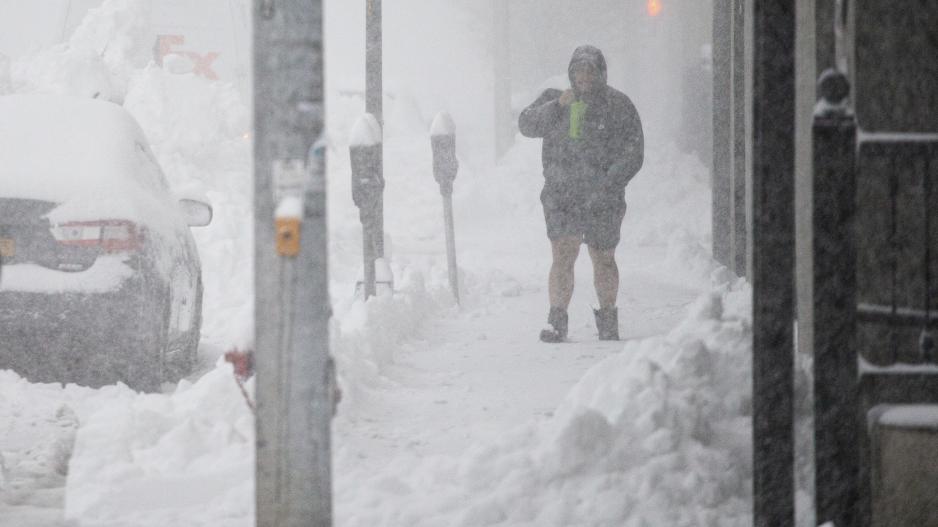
{"x":294,"y":387}
{"x":722,"y":170}
{"x":504,"y":124}
{"x":374,"y":74}
{"x":374,"y":99}
{"x":739,"y":221}
{"x":773,"y":262}
{"x":927,"y":338}
{"x":824,"y":34}
{"x":837,"y":423}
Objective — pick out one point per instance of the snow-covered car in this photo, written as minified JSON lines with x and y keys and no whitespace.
{"x":100,"y":279}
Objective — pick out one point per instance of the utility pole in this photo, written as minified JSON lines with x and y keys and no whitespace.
{"x":740,"y":217}
{"x":374,"y":99}
{"x":295,"y":376}
{"x":504,"y":125}
{"x":722,"y":169}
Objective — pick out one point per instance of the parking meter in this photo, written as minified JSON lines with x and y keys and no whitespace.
{"x":443,"y":143}
{"x":366,"y":160}
{"x":445,"y":166}
{"x":365,"y":151}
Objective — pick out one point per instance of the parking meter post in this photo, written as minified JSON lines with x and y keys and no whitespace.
{"x":294,"y":390}
{"x":451,"y":245}
{"x":365,"y":154}
{"x":374,"y":94}
{"x":445,"y":167}
{"x":378,"y":230}
{"x":374,"y":60}
{"x":368,"y":259}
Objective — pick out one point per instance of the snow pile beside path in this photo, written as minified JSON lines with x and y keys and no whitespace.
{"x":98,"y":60}
{"x":182,"y":459}
{"x":38,"y":424}
{"x":667,"y":421}
{"x":366,"y":336}
{"x":655,"y":435}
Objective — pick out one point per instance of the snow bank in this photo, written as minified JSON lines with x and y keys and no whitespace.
{"x":99,"y":58}
{"x":367,"y":336}
{"x":655,"y":435}
{"x":38,"y":425}
{"x":182,"y":459}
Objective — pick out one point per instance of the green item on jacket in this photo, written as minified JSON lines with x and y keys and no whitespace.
{"x":577,"y":111}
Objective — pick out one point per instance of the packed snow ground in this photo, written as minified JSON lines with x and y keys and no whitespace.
{"x":452,"y":415}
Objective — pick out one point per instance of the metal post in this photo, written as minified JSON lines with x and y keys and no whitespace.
{"x":722,"y":169}
{"x":837,"y":423}
{"x":374,"y":98}
{"x":503,"y":122}
{"x":773,"y":159}
{"x":739,"y":221}
{"x":445,"y":167}
{"x":294,"y":371}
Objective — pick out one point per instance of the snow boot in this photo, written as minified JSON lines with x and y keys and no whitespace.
{"x":557,"y":318}
{"x":607,"y":322}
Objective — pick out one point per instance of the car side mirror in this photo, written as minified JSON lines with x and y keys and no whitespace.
{"x":197,"y":213}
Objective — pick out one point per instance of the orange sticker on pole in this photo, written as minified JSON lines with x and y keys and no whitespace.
{"x":654,"y":7}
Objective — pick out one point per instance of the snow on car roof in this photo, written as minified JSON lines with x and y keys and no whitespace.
{"x":59,"y":148}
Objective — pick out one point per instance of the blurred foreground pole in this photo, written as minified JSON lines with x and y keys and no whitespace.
{"x":721,"y":172}
{"x":374,"y":97}
{"x":445,"y":167}
{"x":773,"y":193}
{"x":294,"y":372}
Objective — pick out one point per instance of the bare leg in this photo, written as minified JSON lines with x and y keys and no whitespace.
{"x":605,"y":276}
{"x":560,"y":283}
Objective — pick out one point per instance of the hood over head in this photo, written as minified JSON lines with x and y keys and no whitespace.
{"x":591,"y":55}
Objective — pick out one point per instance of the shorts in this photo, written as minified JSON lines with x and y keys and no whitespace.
{"x":597,"y":222}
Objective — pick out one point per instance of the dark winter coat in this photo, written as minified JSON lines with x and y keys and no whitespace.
{"x":595,"y":168}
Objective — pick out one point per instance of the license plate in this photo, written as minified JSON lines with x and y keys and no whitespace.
{"x":7,"y":247}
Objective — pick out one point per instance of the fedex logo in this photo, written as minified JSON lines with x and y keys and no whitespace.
{"x":202,"y":63}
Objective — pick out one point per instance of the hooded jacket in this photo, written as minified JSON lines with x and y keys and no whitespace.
{"x":595,"y":167}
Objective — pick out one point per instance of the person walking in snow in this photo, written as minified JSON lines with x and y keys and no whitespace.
{"x":593,"y":146}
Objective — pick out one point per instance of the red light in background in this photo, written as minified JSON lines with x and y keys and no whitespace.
{"x":654,"y":7}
